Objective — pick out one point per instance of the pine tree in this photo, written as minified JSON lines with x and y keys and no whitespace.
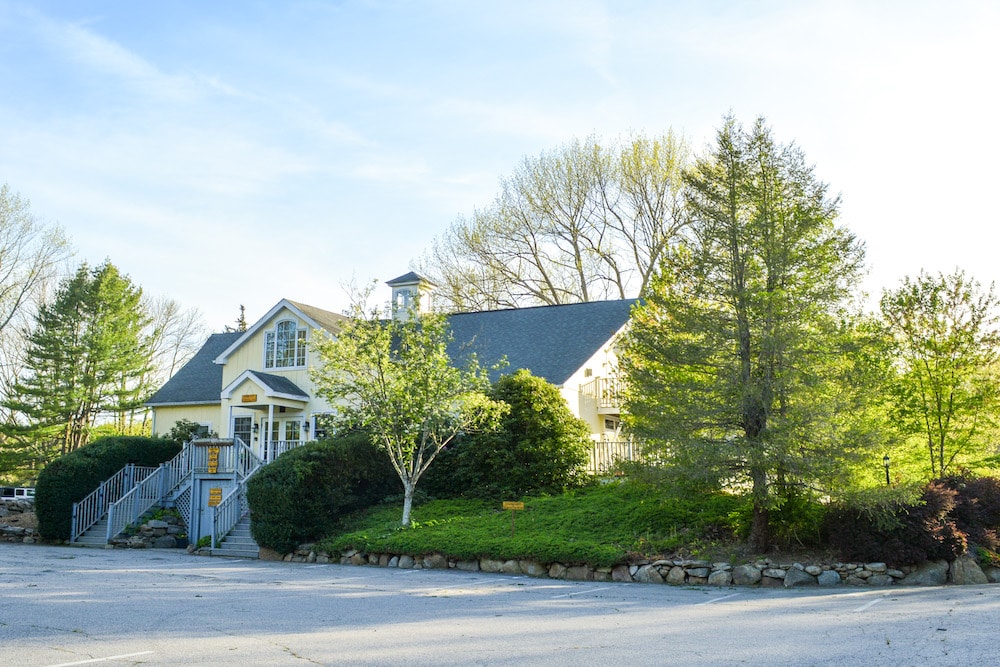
{"x":85,"y":359}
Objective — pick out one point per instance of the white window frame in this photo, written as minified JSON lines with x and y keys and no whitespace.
{"x":299,"y":339}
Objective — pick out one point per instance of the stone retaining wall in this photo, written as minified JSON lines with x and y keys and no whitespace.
{"x":764,"y":572}
{"x":12,"y":513}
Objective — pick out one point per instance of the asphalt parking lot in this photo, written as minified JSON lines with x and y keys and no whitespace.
{"x":67,"y":606}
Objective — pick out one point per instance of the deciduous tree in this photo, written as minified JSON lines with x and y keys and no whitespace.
{"x":584,"y":222}
{"x":395,"y":379}
{"x":733,"y":358}
{"x":948,"y":342}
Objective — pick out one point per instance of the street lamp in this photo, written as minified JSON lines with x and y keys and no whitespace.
{"x":885,"y":464}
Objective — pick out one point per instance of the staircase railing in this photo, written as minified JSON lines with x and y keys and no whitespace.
{"x":134,"y":504}
{"x":234,"y":505}
{"x":90,"y":509}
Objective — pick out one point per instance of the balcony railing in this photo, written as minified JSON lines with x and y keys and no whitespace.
{"x":606,"y":391}
{"x":606,"y":454}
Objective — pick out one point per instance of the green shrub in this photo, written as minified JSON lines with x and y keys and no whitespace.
{"x":300,"y":496}
{"x":72,"y":477}
{"x":539,"y":448}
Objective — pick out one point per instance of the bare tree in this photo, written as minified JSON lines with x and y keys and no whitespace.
{"x":584,"y":222}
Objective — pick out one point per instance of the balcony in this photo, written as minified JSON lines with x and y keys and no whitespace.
{"x":606,"y":392}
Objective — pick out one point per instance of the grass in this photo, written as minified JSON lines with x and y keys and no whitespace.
{"x":600,"y":525}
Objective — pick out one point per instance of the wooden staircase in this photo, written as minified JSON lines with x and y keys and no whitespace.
{"x":238,"y":542}
{"x":95,"y":536}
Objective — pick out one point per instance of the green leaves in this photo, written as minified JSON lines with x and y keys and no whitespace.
{"x":946,"y":336}
{"x":395,"y":379}
{"x":733,"y":359}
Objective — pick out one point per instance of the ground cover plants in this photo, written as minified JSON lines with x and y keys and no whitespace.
{"x":601,"y":525}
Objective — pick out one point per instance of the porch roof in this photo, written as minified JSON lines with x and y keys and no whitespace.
{"x":274,"y":386}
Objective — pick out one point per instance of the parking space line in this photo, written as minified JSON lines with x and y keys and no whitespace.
{"x":107,"y":659}
{"x":713,"y":601}
{"x":869,"y":605}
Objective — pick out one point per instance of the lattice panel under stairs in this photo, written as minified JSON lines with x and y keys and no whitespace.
{"x":183,"y":505}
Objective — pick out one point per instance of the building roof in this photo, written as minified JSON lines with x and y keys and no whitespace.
{"x":273,"y":385}
{"x":200,"y":379}
{"x":553,"y":342}
{"x":409,"y":278}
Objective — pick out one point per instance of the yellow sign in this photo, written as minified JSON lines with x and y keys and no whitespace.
{"x":214,"y":497}
{"x":213,"y":459}
{"x":509,"y":505}
{"x":249,"y":398}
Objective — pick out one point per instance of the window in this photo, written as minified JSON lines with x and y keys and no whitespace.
{"x":285,"y":347}
{"x":292,"y":430}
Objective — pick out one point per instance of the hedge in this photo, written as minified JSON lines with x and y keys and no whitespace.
{"x":72,"y":477}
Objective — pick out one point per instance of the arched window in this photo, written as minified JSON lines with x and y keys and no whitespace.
{"x":285,"y":347}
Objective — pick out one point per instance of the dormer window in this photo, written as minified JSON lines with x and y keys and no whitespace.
{"x":285,"y":347}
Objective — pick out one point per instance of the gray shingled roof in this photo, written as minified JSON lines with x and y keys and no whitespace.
{"x":552,"y":342}
{"x":279,"y":384}
{"x":200,"y":379}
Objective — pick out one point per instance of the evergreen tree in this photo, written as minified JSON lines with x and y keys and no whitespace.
{"x":732,"y":361}
{"x":85,"y":358}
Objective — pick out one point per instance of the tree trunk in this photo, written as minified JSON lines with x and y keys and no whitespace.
{"x":408,"y":486}
{"x":760,"y":527}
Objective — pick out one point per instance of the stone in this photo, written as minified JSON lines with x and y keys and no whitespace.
{"x":579,"y":573}
{"x":928,"y":573}
{"x":511,"y":567}
{"x":854,"y":580}
{"x":720,"y":578}
{"x":490,"y":565}
{"x":814,"y":570}
{"x":356,"y":559}
{"x":701,"y":572}
{"x":602,"y":575}
{"x":435,"y":562}
{"x":557,"y":571}
{"x":725,"y":567}
{"x":796,"y":578}
{"x":467,"y":565}
{"x":311,"y":558}
{"x":383,"y":560}
{"x":406,"y":562}
{"x":393,"y":562}
{"x":877,"y":568}
{"x":775,"y":573}
{"x":156,"y":523}
{"x":746,"y":575}
{"x":895,"y":574}
{"x":965,"y":571}
{"x":676,"y":576}
{"x":828,"y":578}
{"x":164,"y":542}
{"x":771,"y":582}
{"x":647,"y":574}
{"x":323,"y":558}
{"x":992,"y":573}
{"x":621,"y":573}
{"x":880,"y":580}
{"x":533,"y":568}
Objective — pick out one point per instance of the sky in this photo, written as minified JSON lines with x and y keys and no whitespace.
{"x":240,"y":152}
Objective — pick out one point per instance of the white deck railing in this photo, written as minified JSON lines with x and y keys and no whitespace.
{"x":606,"y":454}
{"x":234,"y":506}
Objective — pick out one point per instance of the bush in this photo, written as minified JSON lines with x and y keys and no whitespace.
{"x":72,"y":477}
{"x":539,"y":448}
{"x":977,"y":508}
{"x":900,"y":532}
{"x":300,"y":496}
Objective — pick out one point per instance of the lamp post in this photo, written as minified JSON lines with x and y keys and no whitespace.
{"x":885,"y":464}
